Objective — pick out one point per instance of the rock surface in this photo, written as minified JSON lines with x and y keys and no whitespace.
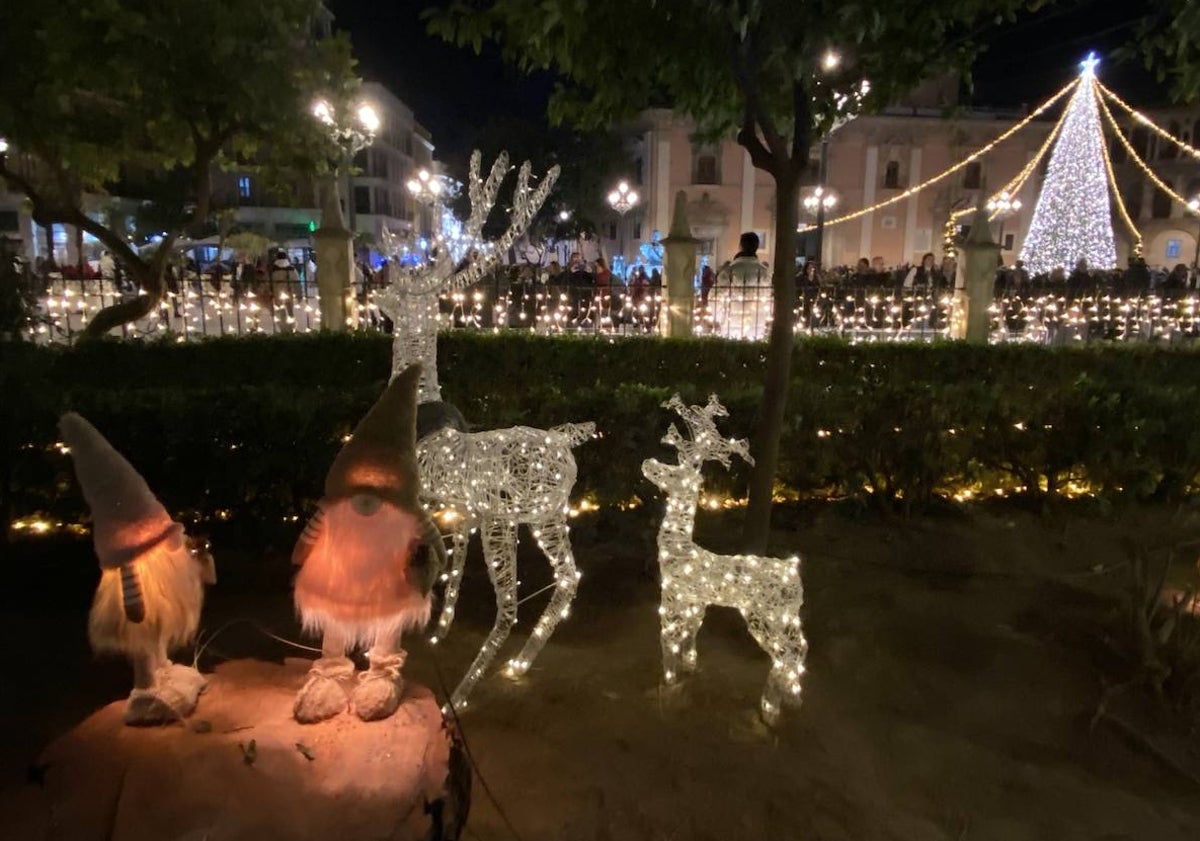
{"x":240,"y":768}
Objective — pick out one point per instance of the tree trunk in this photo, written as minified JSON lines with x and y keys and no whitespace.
{"x":147,"y":277}
{"x":765,"y":445}
{"x":48,"y":229}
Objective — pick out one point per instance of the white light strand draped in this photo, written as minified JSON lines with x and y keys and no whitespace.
{"x":493,"y":482}
{"x":412,"y":299}
{"x":766,"y":591}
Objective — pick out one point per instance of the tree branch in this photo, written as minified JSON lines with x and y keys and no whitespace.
{"x":748,"y":137}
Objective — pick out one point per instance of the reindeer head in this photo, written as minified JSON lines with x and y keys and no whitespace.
{"x":705,"y":442}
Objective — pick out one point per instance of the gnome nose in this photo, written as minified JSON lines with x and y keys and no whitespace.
{"x":365,"y":504}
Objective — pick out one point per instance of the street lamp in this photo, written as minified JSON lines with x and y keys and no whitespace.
{"x":1002,"y":206}
{"x":622,"y":200}
{"x":427,"y":189}
{"x":564,"y":215}
{"x":351,"y":130}
{"x":818,"y":203}
{"x":830,"y":61}
{"x":1194,"y":206}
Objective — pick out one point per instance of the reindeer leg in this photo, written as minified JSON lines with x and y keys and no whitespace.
{"x":781,"y":637}
{"x":458,"y":559}
{"x":554,"y":539}
{"x":380,"y":687}
{"x":323,"y":695}
{"x":674,"y":620}
{"x":500,"y":554}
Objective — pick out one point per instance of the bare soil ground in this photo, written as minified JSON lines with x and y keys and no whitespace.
{"x":954,"y":670}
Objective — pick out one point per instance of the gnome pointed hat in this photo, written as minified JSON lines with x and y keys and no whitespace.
{"x":380,"y":457}
{"x":127,"y":519}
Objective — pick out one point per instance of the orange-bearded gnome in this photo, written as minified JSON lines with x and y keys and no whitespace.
{"x":364,"y":577}
{"x":152,"y":578}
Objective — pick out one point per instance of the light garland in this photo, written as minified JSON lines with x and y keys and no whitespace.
{"x":1133,"y":155}
{"x":929,"y":182}
{"x":412,"y":299}
{"x":1072,"y":220}
{"x":1014,"y":186}
{"x":1120,"y":201}
{"x":1146,"y":121}
{"x":766,"y":591}
{"x":494,"y":482}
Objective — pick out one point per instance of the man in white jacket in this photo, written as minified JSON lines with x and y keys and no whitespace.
{"x":741,"y":298}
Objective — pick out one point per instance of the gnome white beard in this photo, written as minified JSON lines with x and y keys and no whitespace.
{"x":173,"y":595}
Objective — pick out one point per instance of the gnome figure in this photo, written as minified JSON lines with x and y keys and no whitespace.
{"x":152,"y":579}
{"x":365,"y":572}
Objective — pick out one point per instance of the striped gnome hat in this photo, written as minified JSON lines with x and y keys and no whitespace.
{"x":127,"y":519}
{"x":380,"y":457}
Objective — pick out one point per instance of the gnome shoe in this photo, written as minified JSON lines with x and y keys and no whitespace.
{"x":146,"y":709}
{"x":173,"y":697}
{"x":323,"y":695}
{"x":380,"y":687}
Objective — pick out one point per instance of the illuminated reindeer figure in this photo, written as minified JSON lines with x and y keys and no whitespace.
{"x":766,"y":591}
{"x":412,"y":299}
{"x":493,"y":482}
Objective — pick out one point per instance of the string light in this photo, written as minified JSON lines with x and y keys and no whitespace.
{"x":1072,"y":221}
{"x":1146,"y":121}
{"x":766,"y":591}
{"x":1116,"y":193}
{"x":493,"y":482}
{"x":1133,"y":155}
{"x":929,"y":182}
{"x":1014,"y":186}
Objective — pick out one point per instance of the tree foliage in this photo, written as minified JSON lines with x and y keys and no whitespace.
{"x":147,"y":96}
{"x":1169,"y":40}
{"x":750,"y":67}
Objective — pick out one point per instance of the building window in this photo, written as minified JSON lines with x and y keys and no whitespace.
{"x":1116,"y":150}
{"x":383,"y":203}
{"x":637,"y":230}
{"x":612,"y":230}
{"x":245,"y":186}
{"x":362,"y":199}
{"x":706,"y":166}
{"x":1160,"y":207}
{"x":1008,"y":242}
{"x":637,"y":171}
{"x":1174,"y":246}
{"x":891,"y":175}
{"x":972,"y":176}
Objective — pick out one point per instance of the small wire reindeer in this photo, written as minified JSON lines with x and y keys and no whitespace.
{"x":766,"y":591}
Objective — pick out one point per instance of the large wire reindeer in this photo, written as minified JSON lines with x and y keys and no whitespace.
{"x":494,"y":482}
{"x":411,"y":301}
{"x":498,"y":479}
{"x":766,"y":591}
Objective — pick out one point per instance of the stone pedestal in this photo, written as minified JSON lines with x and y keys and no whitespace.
{"x":240,"y":768}
{"x":680,"y":245}
{"x":335,"y":278}
{"x":334,"y":244}
{"x":978,"y":268}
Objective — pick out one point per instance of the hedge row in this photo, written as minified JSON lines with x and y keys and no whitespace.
{"x":248,"y":427}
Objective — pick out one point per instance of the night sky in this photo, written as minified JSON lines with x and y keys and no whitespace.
{"x":452,"y":90}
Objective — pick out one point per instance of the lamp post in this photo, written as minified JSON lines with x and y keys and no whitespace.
{"x":1001,"y":207}
{"x":1194,"y":206}
{"x":818,"y":203}
{"x":427,"y":189}
{"x":622,"y":200}
{"x":351,"y":130}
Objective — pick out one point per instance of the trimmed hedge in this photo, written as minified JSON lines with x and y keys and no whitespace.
{"x":249,"y":426}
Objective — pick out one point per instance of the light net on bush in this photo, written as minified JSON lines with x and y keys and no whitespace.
{"x":493,"y":482}
{"x":766,"y":591}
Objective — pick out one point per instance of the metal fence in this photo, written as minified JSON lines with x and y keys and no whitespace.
{"x":199,"y":307}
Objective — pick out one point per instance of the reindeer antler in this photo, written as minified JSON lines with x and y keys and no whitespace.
{"x":706,"y":442}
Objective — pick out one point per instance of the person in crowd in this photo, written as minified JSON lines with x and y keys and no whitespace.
{"x":921,"y":276}
{"x":1176,"y":283}
{"x":708,"y":279}
{"x":1018,"y":278}
{"x":553,"y":274}
{"x":742,"y":296}
{"x":606,"y":290}
{"x":1079,"y":279}
{"x":950,"y":272}
{"x":862,"y":272}
{"x":283,"y":286}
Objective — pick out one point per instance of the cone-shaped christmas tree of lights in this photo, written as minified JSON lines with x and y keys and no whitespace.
{"x":1073,"y":219}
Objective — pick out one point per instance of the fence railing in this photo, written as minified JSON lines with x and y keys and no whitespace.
{"x":199,"y":307}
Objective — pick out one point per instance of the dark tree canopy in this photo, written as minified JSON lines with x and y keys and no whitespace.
{"x":101,"y":94}
{"x":1170,"y":43}
{"x":754,"y":67}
